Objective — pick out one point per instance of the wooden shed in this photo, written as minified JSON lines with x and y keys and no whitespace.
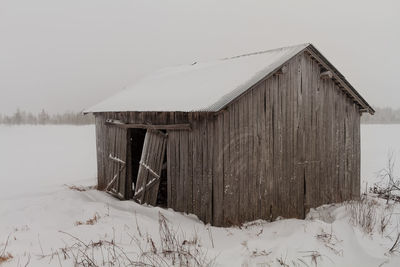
{"x":255,"y":136}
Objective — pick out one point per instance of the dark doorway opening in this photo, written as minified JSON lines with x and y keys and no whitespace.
{"x":136,"y":140}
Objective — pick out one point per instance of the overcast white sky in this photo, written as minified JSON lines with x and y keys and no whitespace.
{"x":68,"y":55}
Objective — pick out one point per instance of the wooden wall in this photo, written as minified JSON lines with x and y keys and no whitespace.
{"x":190,"y":156}
{"x":289,"y":143}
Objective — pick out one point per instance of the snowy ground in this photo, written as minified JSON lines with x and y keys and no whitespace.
{"x":45,"y":223}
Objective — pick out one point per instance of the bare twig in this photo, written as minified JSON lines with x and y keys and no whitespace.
{"x":28,"y":261}
{"x":5,"y":246}
{"x":396,"y":245}
{"x":40,"y":244}
{"x":80,"y":241}
{"x":211,"y":236}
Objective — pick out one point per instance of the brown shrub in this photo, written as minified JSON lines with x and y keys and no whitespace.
{"x":5,"y":257}
{"x":90,"y":221}
{"x":80,"y":188}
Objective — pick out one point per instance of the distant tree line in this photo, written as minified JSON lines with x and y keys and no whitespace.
{"x":382,"y":116}
{"x":23,"y":117}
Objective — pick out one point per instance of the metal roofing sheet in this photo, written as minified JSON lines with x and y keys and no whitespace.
{"x":203,"y":86}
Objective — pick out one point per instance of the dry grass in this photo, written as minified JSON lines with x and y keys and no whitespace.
{"x":330,"y":241}
{"x":314,"y":257}
{"x":90,"y":221}
{"x":385,"y":218}
{"x":172,"y":250}
{"x":363,"y":213}
{"x":80,"y":188}
{"x":282,"y":261}
{"x":4,"y":255}
{"x":368,"y":214}
{"x":310,"y":258}
{"x":5,"y":258}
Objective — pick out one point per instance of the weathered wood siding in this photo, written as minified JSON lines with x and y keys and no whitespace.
{"x":289,"y":143}
{"x":190,"y":157}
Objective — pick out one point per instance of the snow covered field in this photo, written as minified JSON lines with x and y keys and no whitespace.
{"x":377,"y":143}
{"x":43,"y":222}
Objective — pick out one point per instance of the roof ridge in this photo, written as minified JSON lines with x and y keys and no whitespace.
{"x":266,"y":51}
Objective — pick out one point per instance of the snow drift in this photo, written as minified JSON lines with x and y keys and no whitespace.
{"x":49,"y":216}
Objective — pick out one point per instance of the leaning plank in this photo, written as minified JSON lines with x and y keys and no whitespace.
{"x":150,"y":167}
{"x":116,"y":159}
{"x":142,"y":172}
{"x":149,"y":185}
{"x":116,"y":194}
{"x":114,"y":179}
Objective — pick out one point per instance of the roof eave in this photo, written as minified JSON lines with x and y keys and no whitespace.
{"x":365,"y":107}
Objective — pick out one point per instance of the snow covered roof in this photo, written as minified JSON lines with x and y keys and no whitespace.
{"x":202,"y":86}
